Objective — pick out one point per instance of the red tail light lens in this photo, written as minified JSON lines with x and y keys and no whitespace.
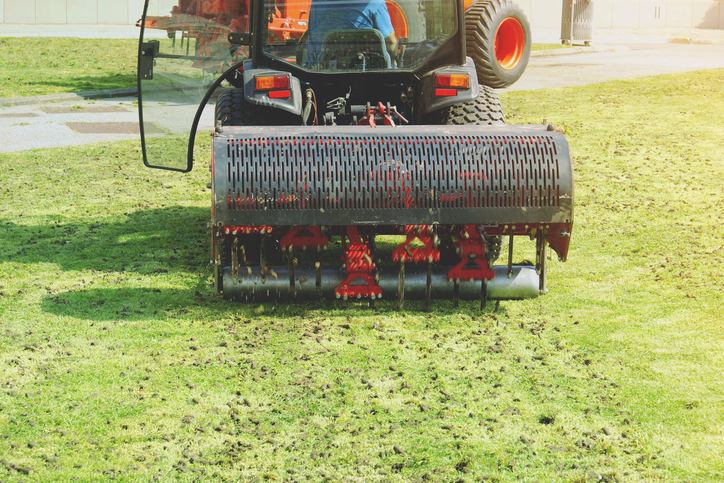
{"x":459,"y":81}
{"x":265,"y":83}
{"x":280,"y":94}
{"x":445,"y":92}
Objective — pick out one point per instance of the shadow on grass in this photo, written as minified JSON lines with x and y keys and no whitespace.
{"x":130,"y":304}
{"x":87,"y":83}
{"x":144,"y":303}
{"x":161,"y":244}
{"x":146,"y":242}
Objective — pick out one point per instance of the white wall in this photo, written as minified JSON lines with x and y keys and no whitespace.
{"x":20,"y":12}
{"x":135,"y":10}
{"x":706,"y":14}
{"x":541,"y":13}
{"x":51,"y":11}
{"x":81,"y":12}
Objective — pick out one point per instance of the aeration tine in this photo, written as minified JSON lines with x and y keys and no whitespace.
{"x":292,"y":290}
{"x":318,"y":276}
{"x":483,"y":294}
{"x":456,"y":294}
{"x":428,"y":287}
{"x":401,"y":287}
{"x":510,"y":255}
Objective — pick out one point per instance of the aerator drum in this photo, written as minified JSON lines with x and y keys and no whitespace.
{"x":283,"y":196}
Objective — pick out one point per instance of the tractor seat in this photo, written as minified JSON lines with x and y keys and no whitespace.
{"x":354,"y":49}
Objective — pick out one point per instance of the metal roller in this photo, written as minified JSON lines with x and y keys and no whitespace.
{"x":296,"y":176}
{"x":473,"y":180}
{"x":250,"y":285}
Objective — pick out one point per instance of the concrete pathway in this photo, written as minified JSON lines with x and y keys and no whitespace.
{"x":591,"y":65}
{"x":70,"y":119}
{"x":67,"y":123}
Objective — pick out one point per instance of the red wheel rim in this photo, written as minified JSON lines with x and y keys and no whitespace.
{"x":509,"y":43}
{"x":398,"y":19}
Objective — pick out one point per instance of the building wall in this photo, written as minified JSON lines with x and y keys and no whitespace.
{"x":708,"y":14}
{"x":81,"y":12}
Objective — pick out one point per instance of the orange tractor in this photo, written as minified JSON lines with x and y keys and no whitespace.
{"x":358,"y":148}
{"x":497,"y":31}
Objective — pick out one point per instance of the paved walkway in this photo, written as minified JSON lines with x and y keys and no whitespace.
{"x":71,"y":119}
{"x":582,"y":66}
{"x":54,"y":124}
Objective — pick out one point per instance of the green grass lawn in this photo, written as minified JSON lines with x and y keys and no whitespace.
{"x":38,"y":66}
{"x":32,"y":66}
{"x":116,"y":361}
{"x":535,"y":47}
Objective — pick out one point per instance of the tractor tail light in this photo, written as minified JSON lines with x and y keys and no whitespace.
{"x":280,"y":94}
{"x":447,"y":85}
{"x":458,"y":81}
{"x":445,"y":92}
{"x":265,"y":83}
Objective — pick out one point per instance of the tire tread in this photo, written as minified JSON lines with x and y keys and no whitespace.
{"x":232,"y":109}
{"x":481,"y":18}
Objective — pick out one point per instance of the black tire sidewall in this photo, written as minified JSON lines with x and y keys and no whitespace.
{"x":232,"y":109}
{"x":484,"y":110}
{"x":512,"y":75}
{"x":490,"y":72}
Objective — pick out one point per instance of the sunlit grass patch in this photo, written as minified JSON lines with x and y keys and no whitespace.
{"x":32,"y":66}
{"x":116,"y":360}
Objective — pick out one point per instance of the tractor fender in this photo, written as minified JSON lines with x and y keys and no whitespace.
{"x":431,"y":102}
{"x":291,"y":104}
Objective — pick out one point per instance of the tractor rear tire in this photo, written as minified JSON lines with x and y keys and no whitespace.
{"x":485,"y":110}
{"x":413,"y":19}
{"x":232,"y":109}
{"x":497,"y":36}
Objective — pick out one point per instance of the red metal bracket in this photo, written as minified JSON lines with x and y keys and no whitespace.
{"x":304,"y":237}
{"x":247,"y":230}
{"x":405,"y":253}
{"x":386,"y":114}
{"x":471,"y":248}
{"x":380,"y":113}
{"x":358,"y":263}
{"x":369,"y":118}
